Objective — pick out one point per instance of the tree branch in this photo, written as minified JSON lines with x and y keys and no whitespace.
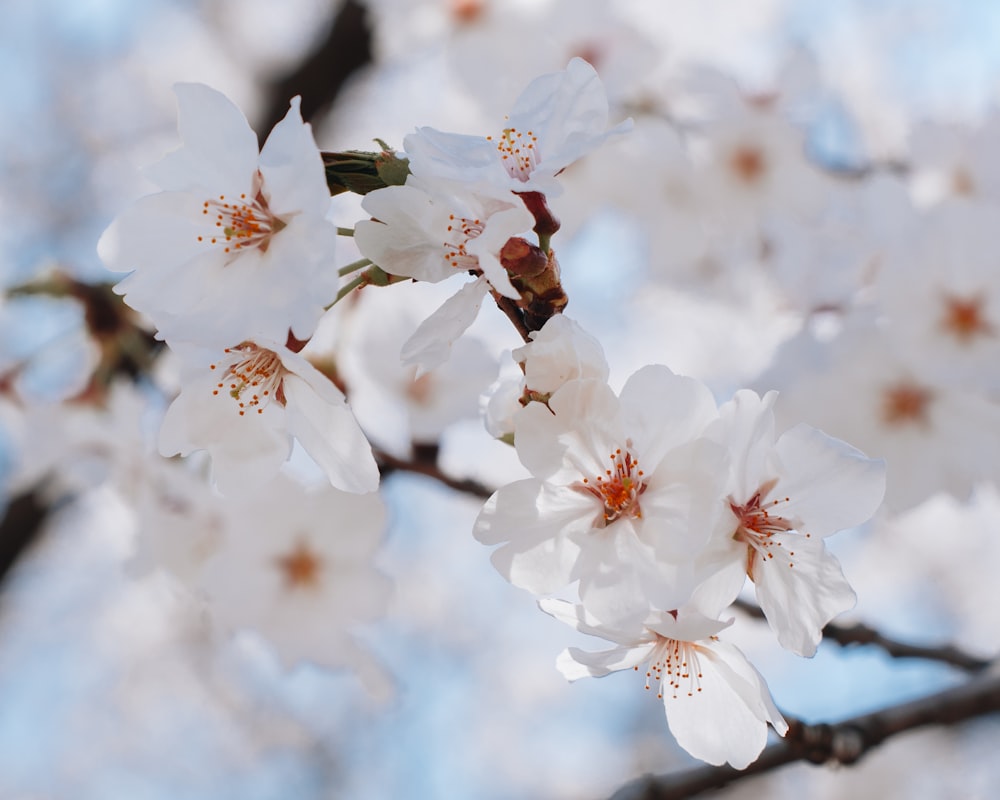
{"x":843,"y":742}
{"x":861,"y":634}
{"x":321,"y":75}
{"x":428,"y":466}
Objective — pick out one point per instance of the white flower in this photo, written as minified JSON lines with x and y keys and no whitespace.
{"x":933,"y":436}
{"x":940,"y":290}
{"x":717,"y":705}
{"x":246,"y":408}
{"x":297,"y":567}
{"x":558,"y":118}
{"x":785,"y":496}
{"x":560,"y":352}
{"x":622,"y":497}
{"x":237,"y":245}
{"x":431,"y":235}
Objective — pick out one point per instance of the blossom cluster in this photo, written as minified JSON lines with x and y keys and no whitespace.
{"x":658,"y":505}
{"x":232,"y":262}
{"x":655,"y":502}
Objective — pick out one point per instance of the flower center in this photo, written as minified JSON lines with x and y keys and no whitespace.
{"x":518,"y":152}
{"x":675,"y":663}
{"x":460,"y":230}
{"x":301,"y":568}
{"x":757,"y":523}
{"x":618,"y":488}
{"x":241,"y":223}
{"x":748,"y":164}
{"x":965,"y":318}
{"x":252,"y":376}
{"x":906,"y":403}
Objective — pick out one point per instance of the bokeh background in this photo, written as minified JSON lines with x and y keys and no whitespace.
{"x":112,"y":686}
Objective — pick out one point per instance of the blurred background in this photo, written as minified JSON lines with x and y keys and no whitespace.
{"x":866,"y":118}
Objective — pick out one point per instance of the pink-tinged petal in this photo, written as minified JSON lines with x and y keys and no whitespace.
{"x":219,"y":149}
{"x":830,"y":485}
{"x":664,"y":411}
{"x":574,"y":436}
{"x":536,"y":522}
{"x":800,"y":589}
{"x":574,"y":663}
{"x":722,"y":715}
{"x":331,"y":436}
{"x":293,"y":171}
{"x":430,"y":345}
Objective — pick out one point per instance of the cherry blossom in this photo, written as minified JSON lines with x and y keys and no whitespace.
{"x":621,"y":498}
{"x":296,"y":566}
{"x":237,"y":245}
{"x":247,"y":406}
{"x":785,"y":495}
{"x":558,"y":118}
{"x":717,"y":705}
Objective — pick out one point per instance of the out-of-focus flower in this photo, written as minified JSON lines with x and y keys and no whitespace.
{"x":297,"y":567}
{"x":247,"y":406}
{"x":237,"y":246}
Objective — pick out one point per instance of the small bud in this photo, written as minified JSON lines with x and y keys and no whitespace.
{"x":522,"y":259}
{"x":363,"y":172}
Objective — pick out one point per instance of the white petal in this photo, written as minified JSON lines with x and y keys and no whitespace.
{"x":219,"y":150}
{"x":430,"y":345}
{"x":800,"y":589}
{"x":535,"y":521}
{"x":663,"y":411}
{"x":831,"y":485}
{"x":727,"y":720}
{"x":574,"y":436}
{"x":574,"y":663}
{"x":294,"y":177}
{"x":331,"y":436}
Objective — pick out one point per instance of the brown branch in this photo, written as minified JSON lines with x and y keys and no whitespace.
{"x":841,"y":743}
{"x":422,"y":465}
{"x":321,"y":75}
{"x":861,"y":634}
{"x":20,"y":526}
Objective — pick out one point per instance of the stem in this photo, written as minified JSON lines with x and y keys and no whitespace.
{"x":345,"y":231}
{"x":354,"y":266}
{"x":346,"y":289}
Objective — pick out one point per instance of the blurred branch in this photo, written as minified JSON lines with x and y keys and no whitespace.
{"x":424,"y":462}
{"x":321,"y":75}
{"x":19,"y":527}
{"x":861,"y":634}
{"x":843,"y":742}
